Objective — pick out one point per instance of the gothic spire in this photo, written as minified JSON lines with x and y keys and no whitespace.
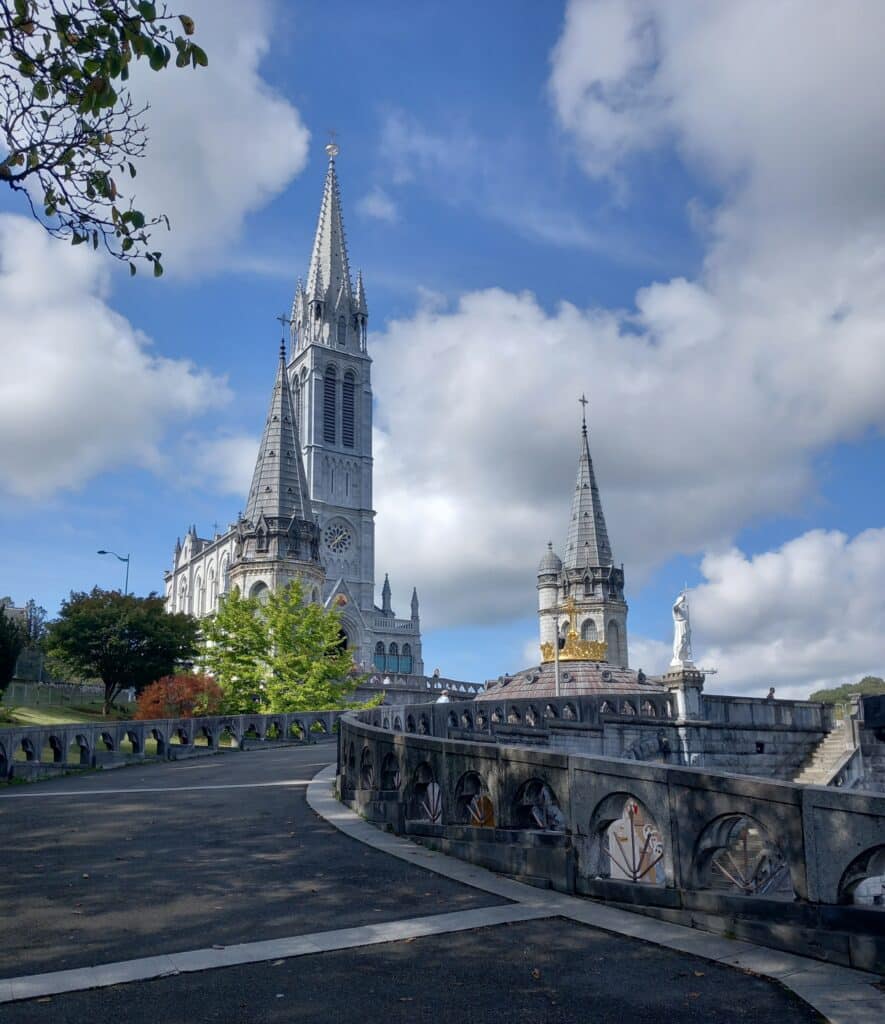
{"x":588,"y":543}
{"x":385,"y":596}
{"x":329,"y":271}
{"x":361,"y":306}
{"x":279,"y":485}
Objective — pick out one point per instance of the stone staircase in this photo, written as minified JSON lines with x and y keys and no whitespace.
{"x":826,"y":757}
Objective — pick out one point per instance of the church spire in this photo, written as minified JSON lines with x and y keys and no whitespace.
{"x":588,"y":543}
{"x":329,"y":273}
{"x":279,"y":485}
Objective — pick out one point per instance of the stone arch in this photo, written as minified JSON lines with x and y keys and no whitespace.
{"x":4,"y":762}
{"x":628,"y":708}
{"x":497,"y":716}
{"x":613,"y":642}
{"x":78,"y":751}
{"x":425,"y":801}
{"x":367,"y":769}
{"x":735,"y":853}
{"x":513,"y":715}
{"x":397,"y":723}
{"x":481,"y":720}
{"x":531,"y":715}
{"x":550,"y":711}
{"x":159,"y":739}
{"x":466,"y":719}
{"x":569,"y":712}
{"x":473,"y":806}
{"x":319,"y":725}
{"x":204,"y":732}
{"x":452,"y":720}
{"x":55,"y":745}
{"x":536,"y":807}
{"x":648,"y":709}
{"x":624,"y":842}
{"x":588,"y":630}
{"x":297,"y":730}
{"x":410,"y":723}
{"x":423,"y":726}
{"x":390,"y":773}
{"x":107,"y":739}
{"x":133,"y":737}
{"x":259,"y":591}
{"x":863,"y":881}
{"x":607,"y":708}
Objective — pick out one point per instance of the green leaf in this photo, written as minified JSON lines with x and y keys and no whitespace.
{"x":132,"y":270}
{"x":158,"y":58}
{"x":41,"y":91}
{"x":158,"y":268}
{"x":77,"y":239}
{"x":147,"y":10}
{"x":198,"y":56}
{"x":187,"y":23}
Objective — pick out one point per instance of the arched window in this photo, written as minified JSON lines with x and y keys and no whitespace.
{"x":330,"y":387}
{"x":213,"y":591}
{"x":379,"y":657}
{"x":342,"y":330}
{"x":348,"y":391}
{"x":260,"y":590}
{"x":393,"y":657}
{"x":198,"y":596}
{"x":182,"y":596}
{"x":613,"y":640}
{"x":298,"y":404}
{"x":405,"y":661}
{"x":588,"y":630}
{"x":225,"y":575}
{"x":588,"y":587}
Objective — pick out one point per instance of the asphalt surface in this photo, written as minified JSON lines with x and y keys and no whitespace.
{"x":152,"y":859}
{"x":89,"y":878}
{"x":551,"y":971}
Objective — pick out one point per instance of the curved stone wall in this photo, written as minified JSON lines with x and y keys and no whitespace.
{"x":767,"y":860}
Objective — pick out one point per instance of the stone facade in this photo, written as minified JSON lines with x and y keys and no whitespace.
{"x":309,"y":513}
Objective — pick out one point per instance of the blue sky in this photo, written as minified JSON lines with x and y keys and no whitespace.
{"x":545,"y":199}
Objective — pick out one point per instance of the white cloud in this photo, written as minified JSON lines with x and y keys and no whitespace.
{"x":712,"y":397}
{"x":808,"y":615}
{"x":378,"y":205}
{"x":80,"y":391}
{"x":225,"y":464}
{"x":222,"y":142}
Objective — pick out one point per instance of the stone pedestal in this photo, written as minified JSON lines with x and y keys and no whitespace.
{"x":686,"y":683}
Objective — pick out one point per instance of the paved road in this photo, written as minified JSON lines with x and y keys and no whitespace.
{"x":168,"y":858}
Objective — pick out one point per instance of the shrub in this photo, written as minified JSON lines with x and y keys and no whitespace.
{"x":181,"y":696}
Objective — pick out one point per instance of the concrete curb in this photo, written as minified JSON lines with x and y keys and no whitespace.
{"x":840,"y":994}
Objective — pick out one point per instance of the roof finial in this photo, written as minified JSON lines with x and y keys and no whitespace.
{"x":283,"y":319}
{"x":583,"y":401}
{"x":332,"y":149}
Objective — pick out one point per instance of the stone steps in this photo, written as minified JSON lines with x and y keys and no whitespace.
{"x":819,"y":769}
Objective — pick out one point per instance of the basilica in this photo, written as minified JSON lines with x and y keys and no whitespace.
{"x":308,"y":514}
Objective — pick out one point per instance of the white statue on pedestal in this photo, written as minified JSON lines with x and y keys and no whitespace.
{"x":681,"y":633}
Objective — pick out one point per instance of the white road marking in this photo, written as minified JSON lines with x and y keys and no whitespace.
{"x":72,"y":794}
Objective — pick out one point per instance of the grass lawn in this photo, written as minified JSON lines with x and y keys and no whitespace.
{"x":88,"y":711}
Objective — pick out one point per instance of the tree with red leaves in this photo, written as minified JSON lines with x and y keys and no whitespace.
{"x":182,"y":696}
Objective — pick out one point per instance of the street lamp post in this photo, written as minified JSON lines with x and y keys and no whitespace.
{"x":122,"y":558}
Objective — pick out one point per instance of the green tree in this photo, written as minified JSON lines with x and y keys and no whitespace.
{"x":280,"y":656}
{"x":70,"y":127}
{"x":840,"y":694}
{"x":12,"y":641}
{"x":235,"y":648}
{"x":35,"y":625}
{"x":308,"y":666}
{"x":121,"y":639}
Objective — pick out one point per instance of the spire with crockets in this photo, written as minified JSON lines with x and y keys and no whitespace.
{"x":326,"y":310}
{"x":279,"y":485}
{"x":588,"y":545}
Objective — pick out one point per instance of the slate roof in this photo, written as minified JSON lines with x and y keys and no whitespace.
{"x":587,"y":545}
{"x":279,"y":484}
{"x":329,"y":271}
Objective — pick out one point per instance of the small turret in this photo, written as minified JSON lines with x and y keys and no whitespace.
{"x":385,"y":597}
{"x":414,"y":604}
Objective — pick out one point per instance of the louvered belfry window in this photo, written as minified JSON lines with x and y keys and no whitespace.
{"x":330,"y":386}
{"x":347,"y":411}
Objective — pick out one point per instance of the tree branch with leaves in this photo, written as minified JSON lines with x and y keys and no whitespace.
{"x":70,"y":128}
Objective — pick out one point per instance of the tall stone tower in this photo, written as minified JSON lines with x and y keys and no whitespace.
{"x":277,"y":540}
{"x":330,"y":372}
{"x":587,"y":574}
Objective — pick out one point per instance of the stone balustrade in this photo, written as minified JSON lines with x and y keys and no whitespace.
{"x":797,"y":867}
{"x":29,"y":752}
